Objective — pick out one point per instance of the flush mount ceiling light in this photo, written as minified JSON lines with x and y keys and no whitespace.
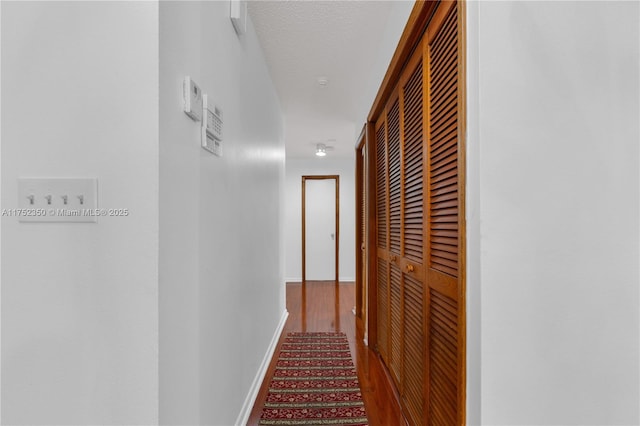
{"x":321,"y":150}
{"x":323,"y":81}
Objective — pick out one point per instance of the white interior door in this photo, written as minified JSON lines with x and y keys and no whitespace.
{"x":320,"y":210}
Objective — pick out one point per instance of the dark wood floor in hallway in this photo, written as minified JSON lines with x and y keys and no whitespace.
{"x":325,"y":306}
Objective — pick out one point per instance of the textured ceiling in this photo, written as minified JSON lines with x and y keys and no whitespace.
{"x":304,"y":40}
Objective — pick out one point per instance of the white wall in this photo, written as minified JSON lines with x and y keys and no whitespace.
{"x":472,"y":207}
{"x":221,"y":274}
{"x":553,"y":133}
{"x":79,"y":301}
{"x":295,"y":169}
{"x":397,"y":20}
{"x":345,"y":167}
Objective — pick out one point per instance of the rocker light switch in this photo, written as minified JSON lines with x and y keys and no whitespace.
{"x":57,"y":200}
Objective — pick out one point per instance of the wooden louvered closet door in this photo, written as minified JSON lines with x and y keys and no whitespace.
{"x":400,"y":181}
{"x":411,"y":91}
{"x":382,"y":243}
{"x":444,"y":197}
{"x":395,"y":209}
{"x":389,"y":219}
{"x":419,"y":201}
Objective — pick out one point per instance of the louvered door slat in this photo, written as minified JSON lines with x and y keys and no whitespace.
{"x":446,"y":248}
{"x":437,"y":133}
{"x":444,"y":151}
{"x":414,"y":356}
{"x":446,"y":91}
{"x":446,"y":171}
{"x":447,"y":100}
{"x":396,"y":324}
{"x":381,"y":187}
{"x":382,"y":239}
{"x":445,"y":34}
{"x":393,"y":120}
{"x":412,"y":198}
{"x":446,"y":67}
{"x":444,"y":226}
{"x":442,"y":160}
{"x":447,"y":204}
{"x":444,"y":148}
{"x":413,"y":162}
{"x":413,"y":169}
{"x":442,"y":191}
{"x":445,"y":141}
{"x":443,"y":198}
{"x":383,"y":309}
{"x":444,"y":116}
{"x":444,"y":177}
{"x":443,"y":360}
{"x":445,"y":136}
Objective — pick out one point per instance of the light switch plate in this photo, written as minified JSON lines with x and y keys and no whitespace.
{"x":57,"y":200}
{"x":238,"y":15}
{"x":192,"y":99}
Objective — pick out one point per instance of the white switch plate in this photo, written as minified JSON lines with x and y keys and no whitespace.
{"x":192,"y":99}
{"x":238,"y":15}
{"x":57,"y":200}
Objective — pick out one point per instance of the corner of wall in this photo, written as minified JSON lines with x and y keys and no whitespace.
{"x":473,"y":277}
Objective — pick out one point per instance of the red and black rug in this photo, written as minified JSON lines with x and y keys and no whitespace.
{"x":315,"y":383}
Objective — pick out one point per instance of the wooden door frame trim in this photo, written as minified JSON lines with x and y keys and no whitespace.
{"x":462,"y":204}
{"x":304,"y":220}
{"x":361,"y":243}
{"x":372,"y":235}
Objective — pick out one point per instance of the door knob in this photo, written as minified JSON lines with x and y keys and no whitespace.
{"x":393,"y":258}
{"x":410,"y":268}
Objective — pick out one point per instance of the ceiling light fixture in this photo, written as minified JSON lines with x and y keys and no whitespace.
{"x":321,"y":150}
{"x":323,"y":81}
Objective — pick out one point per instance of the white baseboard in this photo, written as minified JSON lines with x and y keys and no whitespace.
{"x":250,"y":400}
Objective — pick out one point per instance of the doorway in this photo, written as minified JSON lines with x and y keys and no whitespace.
{"x":320,"y":227}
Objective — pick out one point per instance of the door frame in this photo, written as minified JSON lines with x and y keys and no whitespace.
{"x":361,"y":237}
{"x":304,"y":223}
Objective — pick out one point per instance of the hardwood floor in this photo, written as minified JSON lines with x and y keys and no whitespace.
{"x":325,"y":306}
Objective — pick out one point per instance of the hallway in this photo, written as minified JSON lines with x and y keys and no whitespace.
{"x":323,"y":306}
{"x":497,"y":166}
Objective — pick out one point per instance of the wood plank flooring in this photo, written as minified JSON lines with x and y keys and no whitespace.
{"x":325,"y":306}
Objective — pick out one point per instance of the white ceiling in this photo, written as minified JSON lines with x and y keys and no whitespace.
{"x":304,"y":40}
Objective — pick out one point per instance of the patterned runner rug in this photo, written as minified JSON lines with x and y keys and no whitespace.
{"x":315,"y":383}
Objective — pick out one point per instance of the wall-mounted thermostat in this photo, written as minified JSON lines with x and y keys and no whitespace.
{"x":192,"y":99}
{"x":211,"y":127}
